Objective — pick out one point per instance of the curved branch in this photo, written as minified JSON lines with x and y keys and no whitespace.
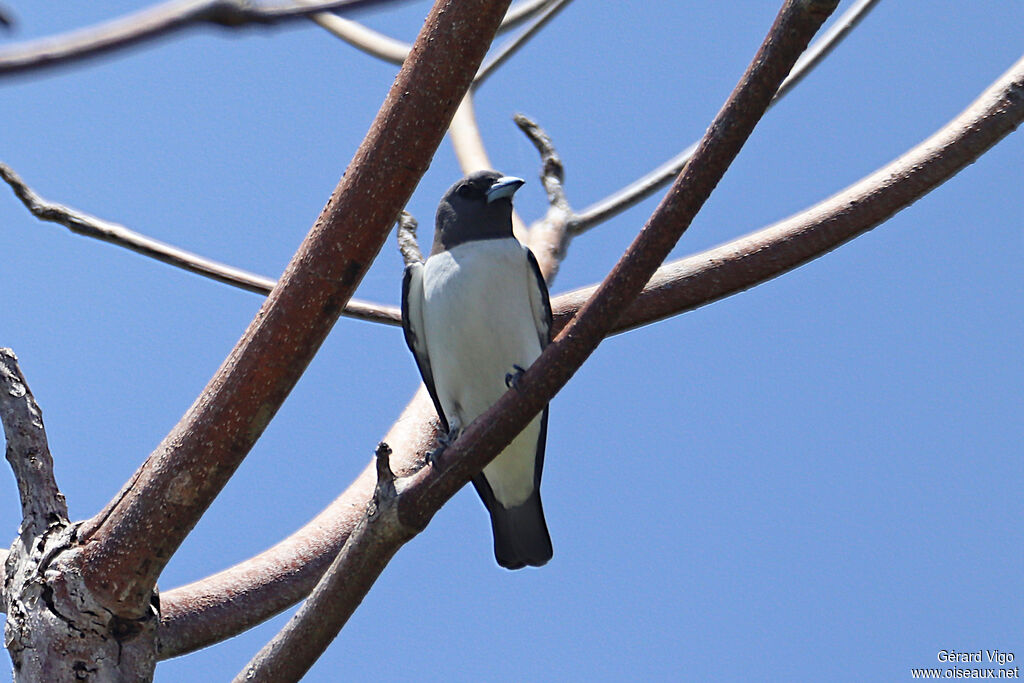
{"x":155,"y":22}
{"x":644,"y":187}
{"x":126,"y":546}
{"x":90,"y":226}
{"x":246,"y":594}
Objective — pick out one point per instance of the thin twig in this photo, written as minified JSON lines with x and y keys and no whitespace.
{"x":227,"y":603}
{"x":28,"y":452}
{"x":640,"y":189}
{"x":156,"y":21}
{"x":549,"y":237}
{"x":89,"y":226}
{"x":506,"y":51}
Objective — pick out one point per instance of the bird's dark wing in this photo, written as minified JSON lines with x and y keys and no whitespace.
{"x":539,"y":300}
{"x":415,"y":334}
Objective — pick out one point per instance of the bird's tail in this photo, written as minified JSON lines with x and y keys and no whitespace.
{"x":520,"y":533}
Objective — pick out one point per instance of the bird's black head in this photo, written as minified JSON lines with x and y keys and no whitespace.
{"x":478,"y":207}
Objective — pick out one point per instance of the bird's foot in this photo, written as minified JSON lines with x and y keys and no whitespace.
{"x":443,"y":442}
{"x":512,"y":378}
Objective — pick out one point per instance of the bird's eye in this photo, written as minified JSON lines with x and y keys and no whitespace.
{"x":467,"y":191}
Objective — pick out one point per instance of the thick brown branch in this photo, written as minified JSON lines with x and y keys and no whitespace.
{"x":114,"y":233}
{"x":244,"y":595}
{"x":28,"y":452}
{"x":128,"y":543}
{"x":155,"y":22}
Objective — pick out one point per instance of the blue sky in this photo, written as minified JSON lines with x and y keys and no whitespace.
{"x":818,"y":479}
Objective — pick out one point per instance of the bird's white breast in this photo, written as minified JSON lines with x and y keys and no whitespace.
{"x":478,"y":324}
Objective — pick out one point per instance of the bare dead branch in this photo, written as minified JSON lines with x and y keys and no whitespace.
{"x":290,"y":654}
{"x":28,"y":452}
{"x":510,"y":48}
{"x":89,"y":226}
{"x":254,"y":590}
{"x":549,"y":237}
{"x":644,"y":187}
{"x":155,"y":22}
{"x":129,"y":542}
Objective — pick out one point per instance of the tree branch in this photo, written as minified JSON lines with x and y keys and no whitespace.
{"x":42,"y":503}
{"x":155,"y":22}
{"x":369,"y":548}
{"x":90,"y":226}
{"x":244,"y":595}
{"x":128,"y":543}
{"x":644,"y":187}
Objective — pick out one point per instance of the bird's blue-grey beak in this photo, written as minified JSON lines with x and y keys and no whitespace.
{"x":504,"y":186}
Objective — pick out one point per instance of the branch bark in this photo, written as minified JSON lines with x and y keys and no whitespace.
{"x":28,"y":452}
{"x":55,"y":629}
{"x":128,"y":543}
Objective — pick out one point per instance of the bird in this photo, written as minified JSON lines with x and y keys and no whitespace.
{"x":476,"y":314}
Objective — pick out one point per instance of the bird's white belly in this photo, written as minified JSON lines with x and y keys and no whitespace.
{"x":479,"y":324}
